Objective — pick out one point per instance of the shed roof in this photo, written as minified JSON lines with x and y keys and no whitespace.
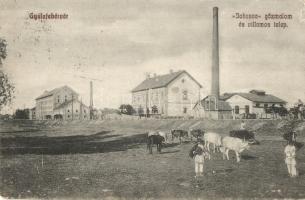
{"x":160,"y":81}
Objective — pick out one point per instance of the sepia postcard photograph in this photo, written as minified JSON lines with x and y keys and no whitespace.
{"x":152,"y":99}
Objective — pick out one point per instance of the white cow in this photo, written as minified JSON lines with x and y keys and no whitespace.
{"x":235,"y":144}
{"x":212,"y":138}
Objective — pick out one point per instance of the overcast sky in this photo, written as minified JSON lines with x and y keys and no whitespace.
{"x":118,"y":41}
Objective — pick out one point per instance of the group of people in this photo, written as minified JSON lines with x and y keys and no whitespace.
{"x":199,"y":153}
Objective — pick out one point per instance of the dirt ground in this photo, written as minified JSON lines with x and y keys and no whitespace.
{"x":99,"y":162}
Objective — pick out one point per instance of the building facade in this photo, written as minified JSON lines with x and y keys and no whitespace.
{"x":72,"y":110}
{"x":32,"y":114}
{"x":60,"y":103}
{"x":210,"y":107}
{"x":254,"y":104}
{"x":172,"y":94}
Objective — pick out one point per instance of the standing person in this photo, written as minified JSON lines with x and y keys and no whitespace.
{"x":242,"y":125}
{"x":290,"y":152}
{"x":198,"y":152}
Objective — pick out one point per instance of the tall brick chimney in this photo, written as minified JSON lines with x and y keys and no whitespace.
{"x":215,"y":56}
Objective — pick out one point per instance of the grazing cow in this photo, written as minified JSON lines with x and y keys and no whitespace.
{"x":235,"y":144}
{"x":178,"y":133}
{"x":154,"y":139}
{"x":212,"y":138}
{"x":244,"y":135}
{"x":197,"y":133}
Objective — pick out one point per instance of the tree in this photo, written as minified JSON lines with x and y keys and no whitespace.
{"x":6,"y":87}
{"x":21,"y":114}
{"x":2,"y":50}
{"x":126,"y":109}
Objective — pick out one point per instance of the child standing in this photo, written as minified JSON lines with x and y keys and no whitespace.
{"x":243,"y":125}
{"x":290,"y":152}
{"x":198,"y":152}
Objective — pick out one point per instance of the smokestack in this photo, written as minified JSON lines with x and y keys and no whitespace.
{"x":215,"y":55}
{"x":91,"y":100}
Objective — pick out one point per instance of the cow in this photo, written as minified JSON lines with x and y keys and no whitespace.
{"x":212,"y":138}
{"x":244,"y":135}
{"x":155,"y":139}
{"x":163,"y":134}
{"x":197,"y":133}
{"x":235,"y":144}
{"x":178,"y":133}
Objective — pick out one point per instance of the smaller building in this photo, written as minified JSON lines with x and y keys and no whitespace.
{"x":32,"y":114}
{"x":72,"y":110}
{"x":254,"y":104}
{"x":49,"y":100}
{"x":210,"y":108}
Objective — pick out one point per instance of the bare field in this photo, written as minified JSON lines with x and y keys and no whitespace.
{"x":109,"y":160}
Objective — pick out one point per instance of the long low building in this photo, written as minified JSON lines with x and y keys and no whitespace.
{"x":253,"y":104}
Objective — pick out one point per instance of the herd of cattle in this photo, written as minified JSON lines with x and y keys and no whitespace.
{"x":237,"y":140}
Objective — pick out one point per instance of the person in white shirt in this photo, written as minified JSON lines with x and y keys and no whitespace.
{"x":290,"y":152}
{"x":242,"y":125}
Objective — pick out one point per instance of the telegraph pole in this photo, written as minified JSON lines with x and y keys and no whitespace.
{"x":91,"y":100}
{"x":72,"y":105}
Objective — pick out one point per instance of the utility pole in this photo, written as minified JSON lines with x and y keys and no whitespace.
{"x":81,"y":109}
{"x":72,"y":105}
{"x":91,"y":100}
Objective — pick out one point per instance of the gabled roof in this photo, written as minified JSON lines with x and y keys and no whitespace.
{"x":68,"y":102}
{"x":52,"y":92}
{"x":267,"y":98}
{"x":221,"y":104}
{"x":226,"y":96}
{"x":160,"y":81}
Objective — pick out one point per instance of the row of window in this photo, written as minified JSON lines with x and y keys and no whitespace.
{"x":58,"y":98}
{"x":156,"y":97}
{"x":76,"y":116}
{"x":247,"y":108}
{"x":76,"y":111}
{"x":258,"y":105}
